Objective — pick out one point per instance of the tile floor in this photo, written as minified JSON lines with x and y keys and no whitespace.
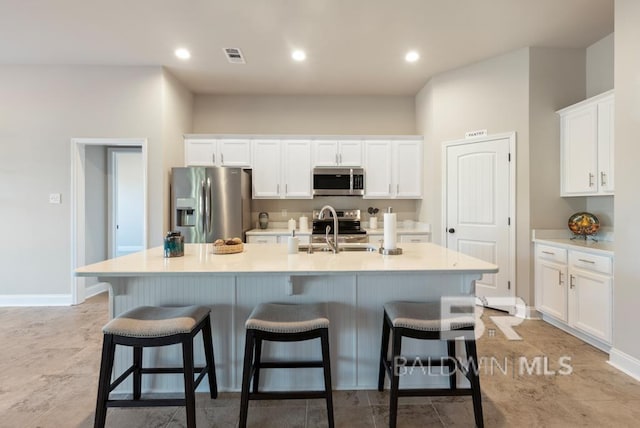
{"x":49,"y":360}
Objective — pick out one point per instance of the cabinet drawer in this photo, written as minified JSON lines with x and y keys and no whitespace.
{"x":558,"y":255}
{"x":264,"y":239}
{"x":587,"y":261}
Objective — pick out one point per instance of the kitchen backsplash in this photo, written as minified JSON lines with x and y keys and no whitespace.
{"x":283,"y":210}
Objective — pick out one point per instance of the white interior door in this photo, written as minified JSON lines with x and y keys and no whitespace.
{"x":127,"y":201}
{"x":479,"y":220}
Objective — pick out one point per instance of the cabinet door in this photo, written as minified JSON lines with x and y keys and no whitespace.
{"x":267,"y":166}
{"x":377,"y":169}
{"x":200,"y":152}
{"x":350,"y":153}
{"x":297,"y":169}
{"x":551,"y":288}
{"x":407,"y":162}
{"x":234,"y":152}
{"x":605,"y":145}
{"x":325,"y":153}
{"x":579,"y":138}
{"x":590,"y":303}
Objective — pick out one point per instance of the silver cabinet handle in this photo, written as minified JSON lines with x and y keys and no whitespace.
{"x":549,"y":252}
{"x":336,"y":159}
{"x":587,"y":261}
{"x":278,"y":189}
{"x":389,"y":188}
{"x":397,"y":189}
{"x":222,"y":159}
{"x":286,"y":189}
{"x":559,"y":278}
{"x":213,"y":157}
{"x":340,"y":158}
{"x":591,"y":180}
{"x":571,"y":281}
{"x":603,"y":178}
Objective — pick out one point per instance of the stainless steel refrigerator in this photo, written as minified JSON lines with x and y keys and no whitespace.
{"x":208,"y":203}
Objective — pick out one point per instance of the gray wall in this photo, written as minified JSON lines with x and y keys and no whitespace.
{"x":493,"y":95}
{"x":626,"y":294}
{"x":277,"y":114}
{"x":42,"y":109}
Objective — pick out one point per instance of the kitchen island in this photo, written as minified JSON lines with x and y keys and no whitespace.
{"x":354,"y":284}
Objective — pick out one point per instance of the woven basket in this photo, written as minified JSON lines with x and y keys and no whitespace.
{"x":227,"y":249}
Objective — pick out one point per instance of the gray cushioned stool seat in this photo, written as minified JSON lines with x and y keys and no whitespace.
{"x":288,"y":318}
{"x":427,"y":316}
{"x":153,"y":321}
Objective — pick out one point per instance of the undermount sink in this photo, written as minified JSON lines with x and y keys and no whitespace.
{"x":342,"y":247}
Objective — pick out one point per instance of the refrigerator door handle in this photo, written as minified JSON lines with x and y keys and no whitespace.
{"x":207,"y":207}
{"x":201,"y":206}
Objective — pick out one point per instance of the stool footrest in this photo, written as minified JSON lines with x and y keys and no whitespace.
{"x":277,"y":395}
{"x":156,"y":402}
{"x":169,"y":370}
{"x":288,"y":364}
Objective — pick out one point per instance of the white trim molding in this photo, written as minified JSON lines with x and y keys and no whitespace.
{"x":35,"y":300}
{"x":625,"y":363}
{"x":95,"y":289}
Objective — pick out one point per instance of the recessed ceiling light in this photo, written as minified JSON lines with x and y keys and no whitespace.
{"x":412,"y":56}
{"x":299,"y":55}
{"x":182,"y":53}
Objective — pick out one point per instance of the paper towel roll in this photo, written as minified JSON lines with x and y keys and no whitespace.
{"x":292,"y":245}
{"x":390,"y":226}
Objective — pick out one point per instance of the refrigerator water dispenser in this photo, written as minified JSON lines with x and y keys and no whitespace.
{"x":186,"y":212}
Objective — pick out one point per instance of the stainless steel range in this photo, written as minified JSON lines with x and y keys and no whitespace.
{"x":349,"y":230}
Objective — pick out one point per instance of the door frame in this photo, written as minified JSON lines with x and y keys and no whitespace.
{"x":78,"y":203}
{"x":512,"y":195}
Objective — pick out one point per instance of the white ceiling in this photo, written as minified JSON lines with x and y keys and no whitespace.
{"x":353,"y":46}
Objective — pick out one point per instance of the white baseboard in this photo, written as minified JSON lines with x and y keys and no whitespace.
{"x":95,"y":289}
{"x":528,"y":313}
{"x":625,"y":363}
{"x":35,"y":300}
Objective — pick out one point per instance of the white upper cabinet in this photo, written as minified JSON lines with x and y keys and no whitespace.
{"x":393,"y":169}
{"x":217,"y":152}
{"x":281,"y":169}
{"x":377,"y":169}
{"x":337,"y":153}
{"x":267,"y":166}
{"x":587,"y":141}
{"x":408,"y":161}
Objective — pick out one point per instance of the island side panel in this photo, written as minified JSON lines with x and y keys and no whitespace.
{"x":216,"y":292}
{"x":338,"y":291}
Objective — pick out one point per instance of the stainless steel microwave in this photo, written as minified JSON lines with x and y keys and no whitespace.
{"x":338,"y":181}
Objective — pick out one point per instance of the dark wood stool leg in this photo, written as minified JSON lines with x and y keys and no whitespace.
{"x":256,"y":362}
{"x":246,"y":377}
{"x":451,"y":364}
{"x":395,"y":377}
{"x":326,"y":365}
{"x":474,"y":379}
{"x":137,"y":372}
{"x":209,"y":357}
{"x":384,"y":351}
{"x":104,"y":382}
{"x":189,"y":392}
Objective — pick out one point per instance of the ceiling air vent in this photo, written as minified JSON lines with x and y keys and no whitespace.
{"x":234,"y":55}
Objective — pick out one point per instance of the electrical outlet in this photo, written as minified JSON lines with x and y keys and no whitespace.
{"x":55,"y":198}
{"x":284,"y":212}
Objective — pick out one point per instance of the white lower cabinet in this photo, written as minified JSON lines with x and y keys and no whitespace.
{"x":575,"y":288}
{"x":276,"y":239}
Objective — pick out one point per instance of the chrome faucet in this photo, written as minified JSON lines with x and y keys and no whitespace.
{"x":333,"y":245}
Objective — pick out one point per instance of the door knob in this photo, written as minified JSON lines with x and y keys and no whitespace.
{"x":452,"y":230}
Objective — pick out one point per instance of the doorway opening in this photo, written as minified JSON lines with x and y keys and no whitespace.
{"x":479,"y":210}
{"x":93,"y":223}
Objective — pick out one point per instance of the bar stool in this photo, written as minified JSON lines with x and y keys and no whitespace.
{"x":423,"y":320}
{"x":276,"y":322}
{"x":149,"y":326}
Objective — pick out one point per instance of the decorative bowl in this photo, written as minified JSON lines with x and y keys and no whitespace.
{"x":583,"y":224}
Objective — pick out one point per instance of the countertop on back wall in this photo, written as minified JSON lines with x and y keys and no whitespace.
{"x":603,"y":245}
